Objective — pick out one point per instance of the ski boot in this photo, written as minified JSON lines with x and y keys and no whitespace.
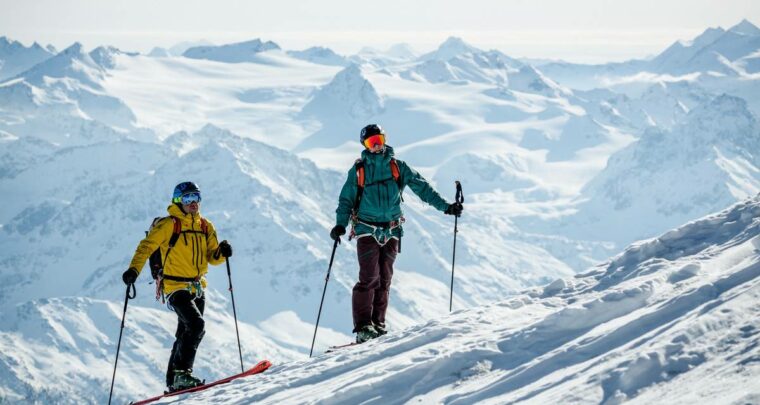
{"x":184,"y":379}
{"x":366,"y":333}
{"x":381,"y":330}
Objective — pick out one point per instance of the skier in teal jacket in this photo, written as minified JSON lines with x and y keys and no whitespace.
{"x":371,"y":201}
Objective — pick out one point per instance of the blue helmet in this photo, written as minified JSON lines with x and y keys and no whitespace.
{"x":184,"y":188}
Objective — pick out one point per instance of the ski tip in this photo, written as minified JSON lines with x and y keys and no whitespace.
{"x":262,"y":365}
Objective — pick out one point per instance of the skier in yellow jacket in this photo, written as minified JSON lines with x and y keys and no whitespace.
{"x":185,"y":265}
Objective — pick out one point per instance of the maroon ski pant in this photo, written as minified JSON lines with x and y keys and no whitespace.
{"x":370,"y":296}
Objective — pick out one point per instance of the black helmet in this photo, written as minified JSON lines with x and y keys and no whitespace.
{"x":183,"y":188}
{"x":370,"y":130}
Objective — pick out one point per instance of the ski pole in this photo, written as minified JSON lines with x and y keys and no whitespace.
{"x":327,"y":278}
{"x":459,"y":198}
{"x":129,"y":296}
{"x":234,"y":314}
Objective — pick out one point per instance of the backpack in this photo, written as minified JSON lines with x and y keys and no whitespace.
{"x":359,"y":166}
{"x":156,"y":261}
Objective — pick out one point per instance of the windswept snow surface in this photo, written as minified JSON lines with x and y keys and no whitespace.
{"x":255,"y":100}
{"x":670,"y":320}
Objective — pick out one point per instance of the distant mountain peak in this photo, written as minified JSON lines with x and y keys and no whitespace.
{"x":745,"y":28}
{"x":320,"y":55}
{"x":402,"y":50}
{"x":451,"y":48}
{"x":459,"y":45}
{"x":453,"y":41}
{"x":159,"y":52}
{"x":72,"y":62}
{"x":709,"y":35}
{"x":16,"y":58}
{"x":351,"y":73}
{"x":104,"y":55}
{"x":531,"y":80}
{"x":259,"y":44}
{"x":349,"y":92}
{"x":709,"y":51}
{"x":73,"y":49}
{"x":231,"y":53}
{"x":12,"y":45}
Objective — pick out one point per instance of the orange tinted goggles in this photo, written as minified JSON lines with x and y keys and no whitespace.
{"x":374,"y":140}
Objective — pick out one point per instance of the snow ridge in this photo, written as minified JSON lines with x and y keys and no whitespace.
{"x":16,"y":58}
{"x":231,"y":53}
{"x":670,"y":319}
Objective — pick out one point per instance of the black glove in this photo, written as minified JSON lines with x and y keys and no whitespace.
{"x":454,"y":209}
{"x":337,"y":232}
{"x":225,"y":249}
{"x":129,"y":276}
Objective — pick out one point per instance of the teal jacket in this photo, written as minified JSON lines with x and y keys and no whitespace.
{"x":381,"y":199}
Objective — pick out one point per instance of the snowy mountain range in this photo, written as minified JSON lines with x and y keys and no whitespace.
{"x":16,"y":58}
{"x":557,"y":180}
{"x":716,"y":52}
{"x":715,"y":146}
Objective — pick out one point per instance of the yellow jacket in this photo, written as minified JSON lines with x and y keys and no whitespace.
{"x":189,"y":257}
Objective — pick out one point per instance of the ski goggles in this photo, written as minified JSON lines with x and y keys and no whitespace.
{"x":190,"y":198}
{"x":374,"y":140}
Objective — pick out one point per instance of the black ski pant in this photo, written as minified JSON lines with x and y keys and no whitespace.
{"x":370,"y":295}
{"x":190,"y":331}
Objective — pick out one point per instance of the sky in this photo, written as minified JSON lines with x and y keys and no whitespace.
{"x":590,"y":31}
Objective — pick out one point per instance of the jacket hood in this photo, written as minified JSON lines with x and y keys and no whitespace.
{"x":187,"y":219}
{"x":386,"y":155}
{"x":175,"y":211}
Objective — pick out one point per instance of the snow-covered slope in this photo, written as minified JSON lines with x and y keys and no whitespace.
{"x":62,"y":100}
{"x":668,"y":177}
{"x":670,"y":320}
{"x":61,"y":350}
{"x":320,"y":55}
{"x":277,"y":210}
{"x":256,"y":100}
{"x":529,"y":80}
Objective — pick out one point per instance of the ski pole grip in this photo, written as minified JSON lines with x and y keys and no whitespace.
{"x":459,"y":196}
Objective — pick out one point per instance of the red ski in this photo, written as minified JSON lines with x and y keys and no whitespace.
{"x":262,"y":366}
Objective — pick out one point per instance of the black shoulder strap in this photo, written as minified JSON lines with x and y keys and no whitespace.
{"x":175,"y":233}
